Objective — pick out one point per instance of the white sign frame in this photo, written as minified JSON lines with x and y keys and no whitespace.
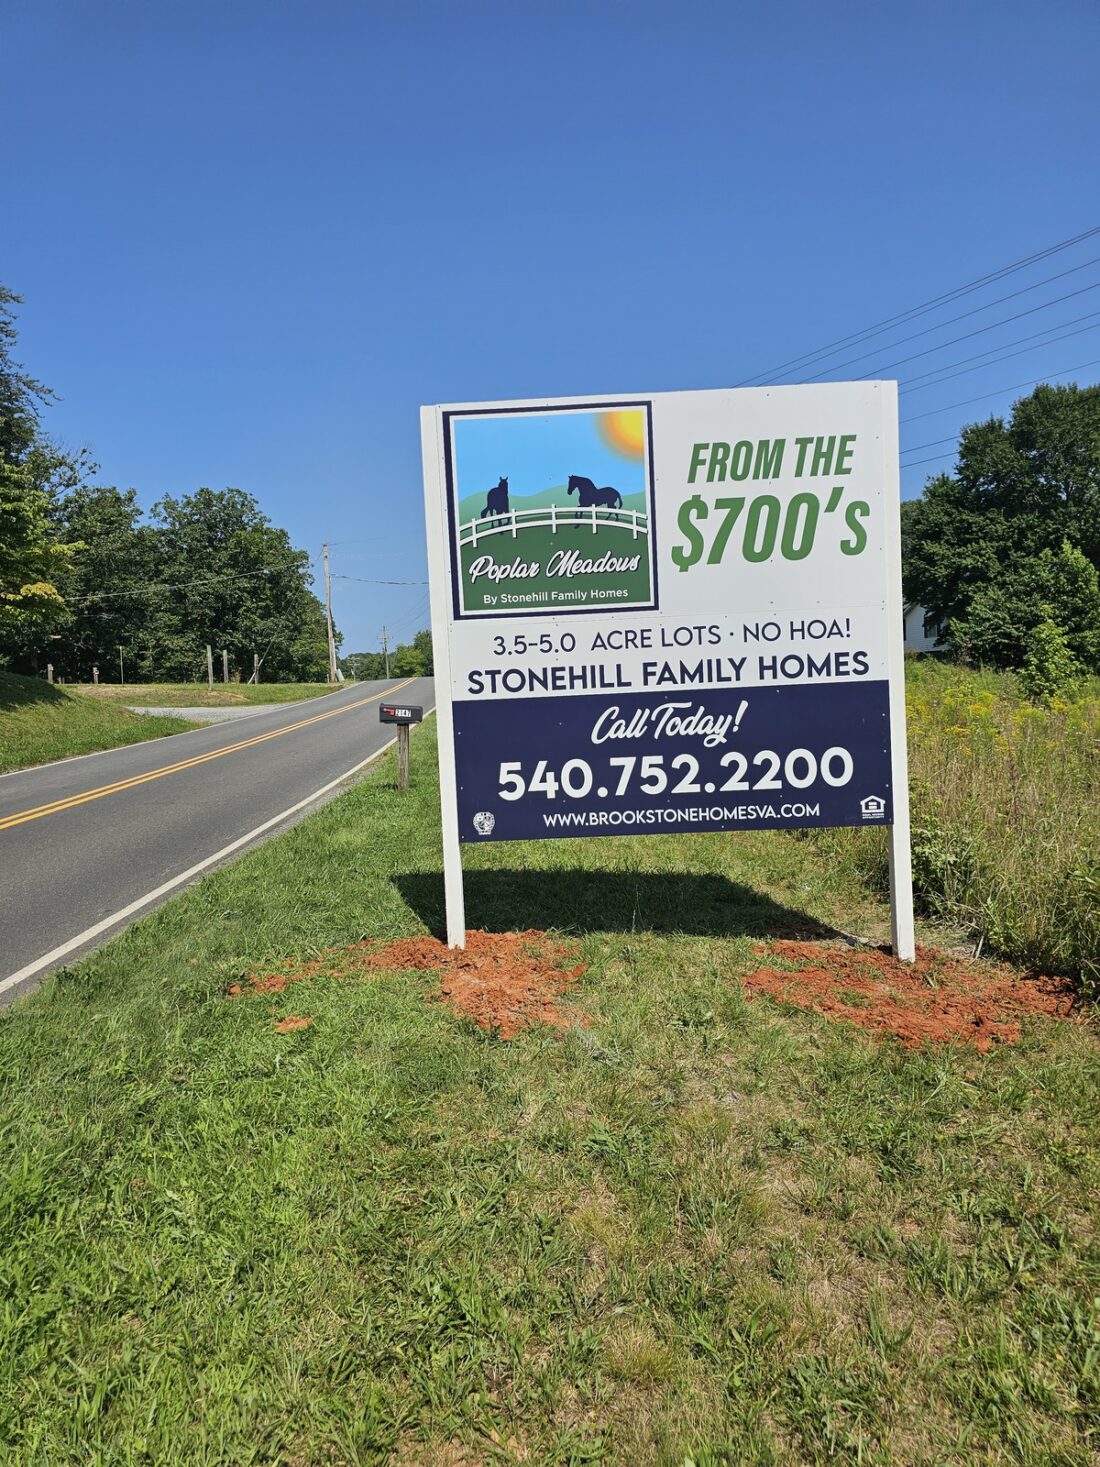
{"x":440,"y":590}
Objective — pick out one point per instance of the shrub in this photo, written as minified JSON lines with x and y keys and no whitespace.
{"x":1050,"y":669}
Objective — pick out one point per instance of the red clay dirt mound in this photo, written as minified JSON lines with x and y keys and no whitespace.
{"x":503,"y":981}
{"x":937,"y":999}
{"x":293,"y":1022}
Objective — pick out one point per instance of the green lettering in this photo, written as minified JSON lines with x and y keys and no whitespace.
{"x":742,"y":460}
{"x":769,"y":459}
{"x":854,"y":515}
{"x":803,"y":444}
{"x":698,"y":454}
{"x":731,"y":508}
{"x":719,"y":457}
{"x":823,"y":456}
{"x":844,"y":453}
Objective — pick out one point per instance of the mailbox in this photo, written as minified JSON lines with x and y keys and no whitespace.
{"x":399,"y":713}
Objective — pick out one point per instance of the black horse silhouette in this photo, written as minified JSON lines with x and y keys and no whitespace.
{"x":589,"y":494}
{"x":496,"y":500}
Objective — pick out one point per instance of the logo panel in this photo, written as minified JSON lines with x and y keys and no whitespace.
{"x":551,"y":510}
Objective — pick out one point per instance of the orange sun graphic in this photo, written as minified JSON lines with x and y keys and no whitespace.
{"x":624,"y":433}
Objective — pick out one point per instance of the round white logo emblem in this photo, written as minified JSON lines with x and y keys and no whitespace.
{"x":484,"y":821}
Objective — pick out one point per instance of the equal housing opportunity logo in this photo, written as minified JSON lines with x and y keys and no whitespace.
{"x":551,"y":510}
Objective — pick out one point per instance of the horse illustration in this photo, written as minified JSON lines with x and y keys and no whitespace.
{"x":589,"y":494}
{"x":496,"y":501}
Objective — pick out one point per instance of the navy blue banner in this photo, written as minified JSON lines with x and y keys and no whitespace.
{"x":610,"y":764}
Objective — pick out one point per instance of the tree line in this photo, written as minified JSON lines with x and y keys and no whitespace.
{"x":407,"y":659}
{"x":86,"y":577}
{"x":1005,"y":551}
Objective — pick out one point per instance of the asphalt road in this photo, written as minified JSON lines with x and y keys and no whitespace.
{"x":88,"y":845}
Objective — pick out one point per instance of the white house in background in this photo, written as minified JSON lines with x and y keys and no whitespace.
{"x":923,"y":631}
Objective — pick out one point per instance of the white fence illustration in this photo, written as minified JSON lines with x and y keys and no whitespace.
{"x":553,"y":517}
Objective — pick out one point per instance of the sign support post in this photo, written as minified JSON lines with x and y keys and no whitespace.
{"x":902,"y":930}
{"x":439,"y":579}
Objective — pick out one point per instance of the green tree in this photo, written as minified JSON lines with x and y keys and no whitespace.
{"x":1015,"y":527}
{"x":1050,"y":668}
{"x":363,"y":666}
{"x":408,"y":661}
{"x":232,"y":579}
{"x":20,"y":395}
{"x":32,"y":559}
{"x":998,"y":626}
{"x":423,"y":644}
{"x":107,"y":591}
{"x":31,"y":562}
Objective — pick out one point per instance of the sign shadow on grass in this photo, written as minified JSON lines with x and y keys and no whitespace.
{"x":579,"y":901}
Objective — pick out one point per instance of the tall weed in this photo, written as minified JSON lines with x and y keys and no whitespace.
{"x":1005,"y":801}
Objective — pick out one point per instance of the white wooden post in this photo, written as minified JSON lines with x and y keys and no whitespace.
{"x":903,"y":933}
{"x":553,"y":520}
{"x":431,"y":442}
{"x":513,"y":524}
{"x":593,"y":519}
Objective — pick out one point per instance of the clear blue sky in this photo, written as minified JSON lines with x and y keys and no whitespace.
{"x":254,"y":236}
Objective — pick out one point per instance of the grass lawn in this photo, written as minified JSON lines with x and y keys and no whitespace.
{"x":697,"y":1229}
{"x":199,"y":695}
{"x":39,"y":723}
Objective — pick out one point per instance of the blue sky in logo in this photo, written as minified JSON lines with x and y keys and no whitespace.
{"x":536,"y":450}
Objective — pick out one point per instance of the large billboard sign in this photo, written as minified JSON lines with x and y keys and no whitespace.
{"x":669,"y":612}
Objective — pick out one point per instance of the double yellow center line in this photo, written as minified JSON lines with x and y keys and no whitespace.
{"x":55,"y":807}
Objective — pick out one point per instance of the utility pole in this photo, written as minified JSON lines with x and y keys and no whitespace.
{"x":225,"y":666}
{"x":209,"y":667}
{"x":328,"y":617}
{"x":386,"y":651}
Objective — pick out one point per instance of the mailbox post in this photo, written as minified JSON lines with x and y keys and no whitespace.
{"x":403,"y":714}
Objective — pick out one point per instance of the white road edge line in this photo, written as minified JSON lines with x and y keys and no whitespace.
{"x":160,"y":738}
{"x":151,"y":896}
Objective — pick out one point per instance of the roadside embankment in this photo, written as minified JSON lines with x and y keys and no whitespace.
{"x":40,"y":723}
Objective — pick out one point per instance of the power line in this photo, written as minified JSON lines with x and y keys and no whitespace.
{"x":908,"y":385}
{"x":1015,"y":387}
{"x":966,"y":336}
{"x":366,"y":540}
{"x":937,"y":458}
{"x":367,"y":581}
{"x":935,"y":443}
{"x":181,"y":585}
{"x":867,"y":332}
{"x":410,"y":618}
{"x":963,"y":315}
